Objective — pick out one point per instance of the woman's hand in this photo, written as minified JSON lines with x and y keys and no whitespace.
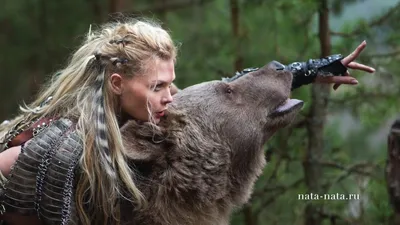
{"x":348,"y":62}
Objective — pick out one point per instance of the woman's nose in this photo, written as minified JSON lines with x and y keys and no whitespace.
{"x":167,"y":98}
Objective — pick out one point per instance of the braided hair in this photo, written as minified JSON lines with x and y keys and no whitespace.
{"x":126,"y":50}
{"x":81,"y":91}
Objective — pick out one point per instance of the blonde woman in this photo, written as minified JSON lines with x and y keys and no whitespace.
{"x":123,"y":71}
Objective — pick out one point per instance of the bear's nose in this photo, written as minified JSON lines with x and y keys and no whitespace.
{"x":277,"y":65}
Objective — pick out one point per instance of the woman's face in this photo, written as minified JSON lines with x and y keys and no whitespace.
{"x":145,"y":96}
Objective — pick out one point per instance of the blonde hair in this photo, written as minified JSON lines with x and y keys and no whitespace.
{"x":81,"y":92}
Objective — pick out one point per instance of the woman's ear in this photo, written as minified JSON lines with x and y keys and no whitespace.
{"x":116,"y":83}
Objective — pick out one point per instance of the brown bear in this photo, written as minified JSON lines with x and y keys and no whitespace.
{"x":202,"y":160}
{"x":194,"y":168}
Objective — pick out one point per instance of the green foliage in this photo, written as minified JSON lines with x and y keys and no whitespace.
{"x":380,"y":209}
{"x":38,"y":36}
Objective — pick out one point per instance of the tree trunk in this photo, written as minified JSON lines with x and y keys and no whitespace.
{"x":392,"y":171}
{"x":38,"y":61}
{"x":237,"y":66}
{"x":115,"y":6}
{"x":320,"y":94}
{"x":97,"y":10}
{"x":249,"y":219}
{"x":163,"y":13}
{"x":235,"y":22}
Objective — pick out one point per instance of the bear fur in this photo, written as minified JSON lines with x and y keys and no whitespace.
{"x":201,"y":162}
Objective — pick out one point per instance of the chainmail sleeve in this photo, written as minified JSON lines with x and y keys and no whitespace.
{"x":304,"y":72}
{"x":42,"y":180}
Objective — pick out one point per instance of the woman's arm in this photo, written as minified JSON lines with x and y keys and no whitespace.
{"x":8,"y":158}
{"x":331,"y":70}
{"x":306,"y":72}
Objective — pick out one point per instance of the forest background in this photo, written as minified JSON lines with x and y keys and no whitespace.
{"x":338,"y":144}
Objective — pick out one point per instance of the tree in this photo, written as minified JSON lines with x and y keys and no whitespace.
{"x":336,"y":143}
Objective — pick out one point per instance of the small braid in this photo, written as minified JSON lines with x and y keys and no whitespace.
{"x":122,"y":41}
{"x":101,"y":140}
{"x":114,"y":60}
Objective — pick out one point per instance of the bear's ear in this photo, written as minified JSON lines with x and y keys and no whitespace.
{"x":275,"y":65}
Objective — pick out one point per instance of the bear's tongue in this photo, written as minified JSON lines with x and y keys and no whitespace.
{"x":290,"y":103}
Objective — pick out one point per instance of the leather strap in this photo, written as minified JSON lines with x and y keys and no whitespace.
{"x":27,"y":134}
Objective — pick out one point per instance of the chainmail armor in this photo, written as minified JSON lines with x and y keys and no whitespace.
{"x":42,"y":180}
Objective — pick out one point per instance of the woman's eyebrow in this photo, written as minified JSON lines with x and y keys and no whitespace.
{"x":158,"y":82}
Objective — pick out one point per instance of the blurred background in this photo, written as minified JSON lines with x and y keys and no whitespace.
{"x":337,"y":145}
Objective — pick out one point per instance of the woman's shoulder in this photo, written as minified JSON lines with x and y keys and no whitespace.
{"x":19,"y":136}
{"x":48,"y":159}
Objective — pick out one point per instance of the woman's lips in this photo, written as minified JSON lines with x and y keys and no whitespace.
{"x":160,"y":114}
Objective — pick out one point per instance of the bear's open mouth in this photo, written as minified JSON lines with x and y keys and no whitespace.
{"x":286,"y":107}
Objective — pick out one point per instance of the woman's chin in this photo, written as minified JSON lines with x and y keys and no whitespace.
{"x":157,"y":120}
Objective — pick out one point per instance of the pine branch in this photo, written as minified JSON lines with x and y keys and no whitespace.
{"x":347,"y":35}
{"x":373,"y":23}
{"x":370,"y":96}
{"x":299,"y":124}
{"x":282,"y":190}
{"x":171,"y":6}
{"x":387,"y":54}
{"x":358,"y":168}
{"x":350,"y":169}
{"x":333,"y":217}
{"x":267,"y":188}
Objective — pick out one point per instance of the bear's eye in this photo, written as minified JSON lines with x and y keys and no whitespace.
{"x":228,"y":90}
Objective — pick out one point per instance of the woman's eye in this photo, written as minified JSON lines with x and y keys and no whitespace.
{"x":156,"y":88}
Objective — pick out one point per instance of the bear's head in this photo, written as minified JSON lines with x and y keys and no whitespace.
{"x":204,"y":156}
